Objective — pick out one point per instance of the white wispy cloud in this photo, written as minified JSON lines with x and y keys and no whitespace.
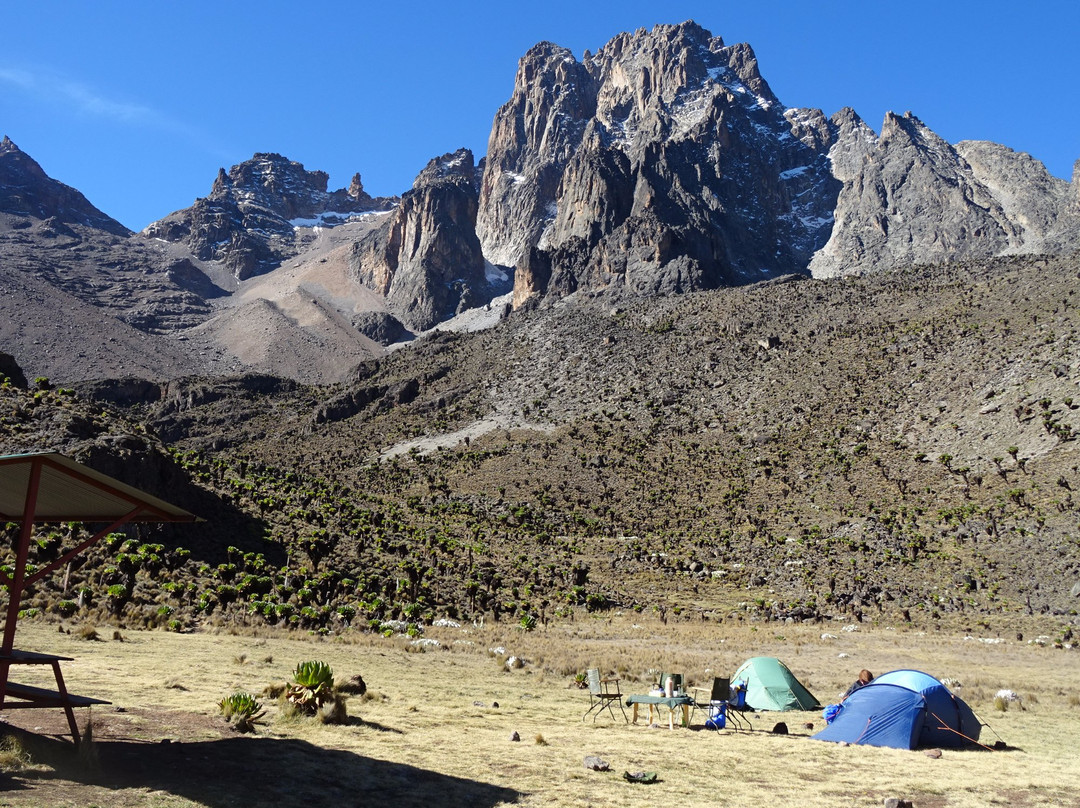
{"x":80,"y":99}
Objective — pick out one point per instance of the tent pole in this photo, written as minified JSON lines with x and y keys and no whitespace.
{"x":958,"y":732}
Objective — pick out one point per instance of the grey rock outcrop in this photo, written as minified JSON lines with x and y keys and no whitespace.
{"x":910,"y":197}
{"x":425,"y":259}
{"x":10,"y":370}
{"x":249,"y":220}
{"x":381,"y":326}
{"x":662,"y":164}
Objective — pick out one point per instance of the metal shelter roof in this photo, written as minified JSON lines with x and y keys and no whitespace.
{"x":68,"y":491}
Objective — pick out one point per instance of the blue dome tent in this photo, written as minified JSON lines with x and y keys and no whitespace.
{"x":903,"y":709}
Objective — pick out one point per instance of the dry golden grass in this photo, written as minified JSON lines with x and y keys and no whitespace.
{"x":428,"y":731}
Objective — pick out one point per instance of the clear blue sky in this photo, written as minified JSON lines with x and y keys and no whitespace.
{"x":137,"y":104}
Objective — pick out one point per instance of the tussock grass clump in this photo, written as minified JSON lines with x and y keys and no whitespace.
{"x":13,"y":757}
{"x":274,"y":690}
{"x":88,"y":633}
{"x":333,"y":710}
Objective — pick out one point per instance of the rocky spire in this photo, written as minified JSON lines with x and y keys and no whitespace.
{"x":426,"y":258}
{"x":248,"y":220}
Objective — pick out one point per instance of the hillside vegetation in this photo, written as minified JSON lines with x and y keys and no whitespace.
{"x":902,"y":444}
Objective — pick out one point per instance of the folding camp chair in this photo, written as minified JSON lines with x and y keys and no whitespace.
{"x":602,"y":692}
{"x":720,"y":706}
{"x":707,"y":698}
{"x":737,"y":706}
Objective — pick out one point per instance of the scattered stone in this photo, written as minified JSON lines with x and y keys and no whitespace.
{"x":514,"y":737}
{"x":478,"y":704}
{"x":808,"y":725}
{"x":1075,"y":591}
{"x":828,"y":636}
{"x":495,"y":705}
{"x":894,"y":802}
{"x":596,"y":764}
{"x":780,"y":729}
{"x":933,"y":753}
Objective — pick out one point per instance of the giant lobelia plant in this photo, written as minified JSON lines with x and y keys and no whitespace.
{"x":312,"y":687}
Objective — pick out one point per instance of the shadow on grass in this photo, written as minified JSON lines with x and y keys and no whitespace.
{"x":248,"y":771}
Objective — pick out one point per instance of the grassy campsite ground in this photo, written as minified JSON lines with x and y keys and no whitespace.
{"x":428,"y":732}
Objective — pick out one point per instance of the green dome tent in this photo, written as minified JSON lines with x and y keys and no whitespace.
{"x":771,"y":686}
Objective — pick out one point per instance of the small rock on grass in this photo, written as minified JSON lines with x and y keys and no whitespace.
{"x":514,"y":736}
{"x":933,"y":753}
{"x":596,"y":764}
{"x":894,"y":802}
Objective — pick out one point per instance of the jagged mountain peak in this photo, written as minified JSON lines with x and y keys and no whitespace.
{"x":25,"y":189}
{"x":453,"y":166}
{"x":649,"y":169}
{"x":249,"y":220}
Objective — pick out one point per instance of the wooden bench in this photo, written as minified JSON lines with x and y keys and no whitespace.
{"x":41,"y":697}
{"x":33,"y":697}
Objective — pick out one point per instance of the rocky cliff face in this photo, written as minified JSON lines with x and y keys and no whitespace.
{"x":249,"y":221}
{"x":426,"y":259}
{"x":533,"y":137}
{"x":909,"y":197}
{"x":677,"y":169}
{"x":664,"y":163}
